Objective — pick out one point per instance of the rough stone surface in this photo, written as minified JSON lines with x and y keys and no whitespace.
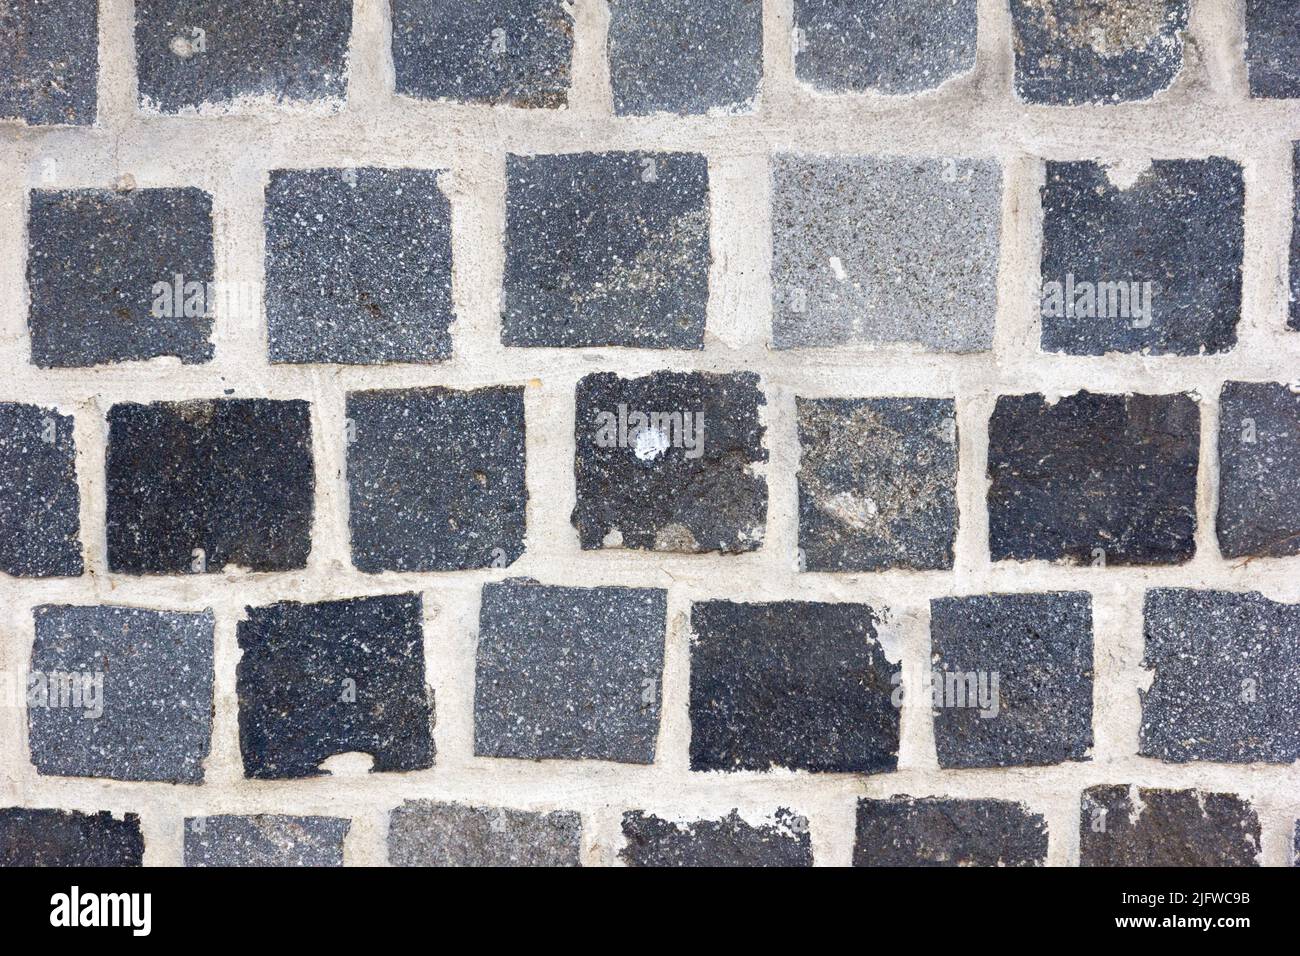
{"x":877,"y":483}
{"x":317,"y":680}
{"x":1155,"y":267}
{"x":102,"y":272}
{"x":1031,"y":657}
{"x":69,"y":838}
{"x":877,"y":251}
{"x":889,"y":46}
{"x":281,"y":50}
{"x":1100,"y":51}
{"x":679,"y":56}
{"x":502,"y":52}
{"x":1259,"y":470}
{"x":1131,"y":826}
{"x":568,"y":673}
{"x":730,"y":841}
{"x":436,"y":478}
{"x":791,"y":684}
{"x":265,"y":840}
{"x":425,"y":833}
{"x":196,"y":486}
{"x":647,"y":479}
{"x":1226,"y":681}
{"x":49,"y":61}
{"x":39,"y":501}
{"x":1093,"y":479}
{"x":149,"y":719}
{"x":358,"y":266}
{"x":903,"y":831}
{"x":606,"y":249}
{"x":1273,"y":48}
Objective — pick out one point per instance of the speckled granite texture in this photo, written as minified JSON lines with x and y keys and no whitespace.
{"x":650,"y":433}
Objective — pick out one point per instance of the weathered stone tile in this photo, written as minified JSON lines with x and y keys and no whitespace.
{"x":877,"y":483}
{"x":358,"y":266}
{"x":1012,"y":679}
{"x":1155,"y":267}
{"x":1259,"y":470}
{"x":885,"y":250}
{"x":336,"y":677}
{"x":791,"y":684}
{"x":49,"y":62}
{"x":1226,"y":681}
{"x":1273,"y":48}
{"x":1104,"y":51}
{"x":192,"y":54}
{"x":677,"y":56}
{"x":889,"y":46}
{"x":266,"y":839}
{"x":931,"y":831}
{"x":436,"y":478}
{"x":39,"y":502}
{"x":119,"y":276}
{"x":501,"y":52}
{"x":124,"y":693}
{"x":730,"y":841}
{"x":1132,"y":826}
{"x":69,"y":838}
{"x":671,"y":462}
{"x":606,"y":249}
{"x":425,"y":833}
{"x":196,"y":486}
{"x":568,"y":673}
{"x":1099,"y":479}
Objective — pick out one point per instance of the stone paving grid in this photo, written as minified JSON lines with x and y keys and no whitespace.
{"x":1209,"y":113}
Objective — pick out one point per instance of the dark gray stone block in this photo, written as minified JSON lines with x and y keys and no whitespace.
{"x":1226,"y":681}
{"x":425,"y":833}
{"x":1259,"y":470}
{"x":1030,"y":656}
{"x":1131,"y":826}
{"x":358,"y":266}
{"x":317,"y":680}
{"x":606,"y":249}
{"x":930,"y":831}
{"x":669,"y":462}
{"x":889,"y":46}
{"x":265,"y":840}
{"x":792,"y":684}
{"x":885,"y":250}
{"x":1152,"y":268}
{"x":501,"y":52}
{"x":436,"y":478}
{"x":128,"y":693}
{"x":1104,"y":51}
{"x":39,"y":501}
{"x":196,"y":486}
{"x":49,"y":62}
{"x":678,"y":56}
{"x":1273,"y":48}
{"x":287,"y":50}
{"x":69,"y":838}
{"x":568,"y":673}
{"x":730,"y":841}
{"x":877,"y":483}
{"x":103,"y":271}
{"x":1093,"y":479}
